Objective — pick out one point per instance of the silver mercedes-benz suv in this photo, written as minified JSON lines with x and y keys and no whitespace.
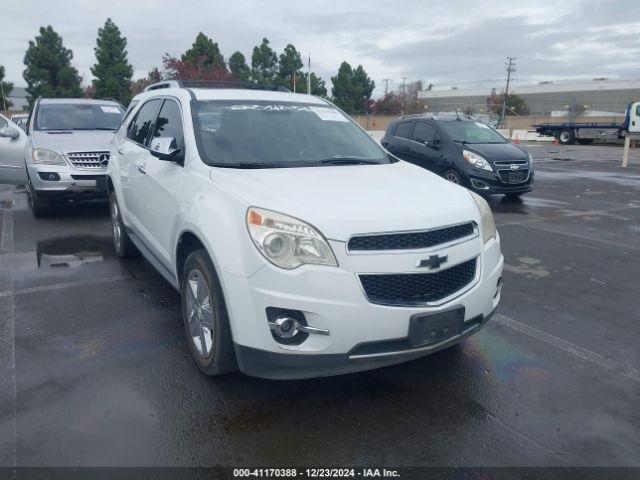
{"x":67,"y":152}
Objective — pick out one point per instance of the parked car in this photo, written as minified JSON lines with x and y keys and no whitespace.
{"x":20,"y":119}
{"x":67,"y":151}
{"x":300,"y":247}
{"x":12,"y":143}
{"x":463,"y":151}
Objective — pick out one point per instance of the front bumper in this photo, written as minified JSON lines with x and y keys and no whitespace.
{"x":490,"y":183}
{"x":283,"y":366}
{"x":362,"y":335}
{"x":72,"y":184}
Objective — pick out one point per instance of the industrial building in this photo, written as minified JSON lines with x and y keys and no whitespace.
{"x":598,"y":97}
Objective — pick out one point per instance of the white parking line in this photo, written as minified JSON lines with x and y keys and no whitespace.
{"x":6,"y":245}
{"x":575,"y":350}
{"x":59,"y":286}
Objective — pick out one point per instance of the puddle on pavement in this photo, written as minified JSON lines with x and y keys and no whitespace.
{"x":70,"y":252}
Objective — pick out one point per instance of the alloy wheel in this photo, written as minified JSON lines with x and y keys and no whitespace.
{"x":452,"y":177}
{"x":115,"y":224}
{"x":201,"y":318}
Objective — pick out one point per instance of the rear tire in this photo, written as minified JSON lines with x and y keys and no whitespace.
{"x":40,"y":208}
{"x":567,"y":137}
{"x":205,"y":318}
{"x":122,"y":244}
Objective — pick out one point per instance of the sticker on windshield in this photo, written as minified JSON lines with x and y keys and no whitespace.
{"x":108,"y":109}
{"x":329,"y":114}
{"x":481,"y":125}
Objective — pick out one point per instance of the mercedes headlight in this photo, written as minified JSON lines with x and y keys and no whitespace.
{"x":476,"y":160}
{"x":487,"y":223}
{"x":286,"y":241}
{"x":47,"y":157}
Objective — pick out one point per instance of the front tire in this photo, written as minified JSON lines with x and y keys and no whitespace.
{"x":453,"y":176}
{"x":204,"y":313}
{"x":122,"y":244}
{"x":40,"y":207}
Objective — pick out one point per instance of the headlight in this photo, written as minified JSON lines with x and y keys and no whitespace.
{"x":530,"y":159}
{"x":476,"y":160}
{"x":47,"y":157}
{"x":487,"y":223}
{"x":286,"y":241}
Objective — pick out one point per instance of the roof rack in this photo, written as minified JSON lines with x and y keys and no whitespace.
{"x":214,"y":84}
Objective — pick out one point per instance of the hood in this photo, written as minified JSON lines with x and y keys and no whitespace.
{"x":497,"y":151}
{"x":77,"y":141}
{"x":344,"y":200}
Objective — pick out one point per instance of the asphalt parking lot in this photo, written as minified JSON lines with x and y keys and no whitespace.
{"x":94,"y":368}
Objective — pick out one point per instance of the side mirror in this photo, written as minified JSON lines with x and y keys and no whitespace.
{"x":8,"y":132}
{"x":165,"y":148}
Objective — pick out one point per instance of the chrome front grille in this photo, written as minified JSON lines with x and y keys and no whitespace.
{"x":89,"y":160}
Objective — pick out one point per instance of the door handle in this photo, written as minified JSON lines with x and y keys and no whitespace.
{"x":121,"y":149}
{"x":141,"y":168}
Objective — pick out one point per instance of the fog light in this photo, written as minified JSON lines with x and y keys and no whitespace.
{"x":49,"y":176}
{"x":479,"y":184}
{"x":498,"y":288}
{"x":284,"y":327}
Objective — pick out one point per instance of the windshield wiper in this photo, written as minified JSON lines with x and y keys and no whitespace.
{"x":248,"y":165}
{"x":95,"y":128}
{"x":348,"y":161}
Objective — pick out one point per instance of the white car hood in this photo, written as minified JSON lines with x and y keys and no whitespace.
{"x":344,"y":200}
{"x":75,"y":141}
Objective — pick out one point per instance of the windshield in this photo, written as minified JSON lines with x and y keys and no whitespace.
{"x":471,"y":132}
{"x":251,"y":134}
{"x":78,"y":116}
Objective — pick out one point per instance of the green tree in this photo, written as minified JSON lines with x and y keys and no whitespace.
{"x":352,"y":89}
{"x":264,"y":63}
{"x":516,"y":105}
{"x":206,"y":53}
{"x":290,"y":65}
{"x":48,"y":71}
{"x":318,"y":87}
{"x":112,"y":70}
{"x":238,"y":67}
{"x":5,"y":91}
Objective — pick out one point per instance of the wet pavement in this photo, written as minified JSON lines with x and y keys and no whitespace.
{"x":94,"y":368}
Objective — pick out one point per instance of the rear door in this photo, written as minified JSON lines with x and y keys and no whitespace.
{"x":424,"y":150}
{"x":12,"y":144}
{"x":133,"y":158}
{"x":400,"y":143}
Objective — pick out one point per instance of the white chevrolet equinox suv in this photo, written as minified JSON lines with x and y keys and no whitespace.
{"x":301,"y":248}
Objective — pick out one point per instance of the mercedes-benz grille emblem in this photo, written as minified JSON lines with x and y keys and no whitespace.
{"x":104,"y":159}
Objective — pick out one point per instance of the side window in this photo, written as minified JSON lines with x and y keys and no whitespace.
{"x":403,"y":130}
{"x":169,"y":123}
{"x":424,"y":133}
{"x":638,"y":111}
{"x":140,"y":127}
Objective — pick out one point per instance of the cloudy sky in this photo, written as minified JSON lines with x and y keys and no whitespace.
{"x":445,"y":42}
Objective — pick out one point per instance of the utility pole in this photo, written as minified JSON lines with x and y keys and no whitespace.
{"x":511,"y":67}
{"x":386,"y":85}
{"x":404,"y":97}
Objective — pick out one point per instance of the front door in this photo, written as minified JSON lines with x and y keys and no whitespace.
{"x":12,"y":145}
{"x":159,"y":184}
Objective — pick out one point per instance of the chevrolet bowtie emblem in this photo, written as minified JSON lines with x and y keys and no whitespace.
{"x":434,"y":261}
